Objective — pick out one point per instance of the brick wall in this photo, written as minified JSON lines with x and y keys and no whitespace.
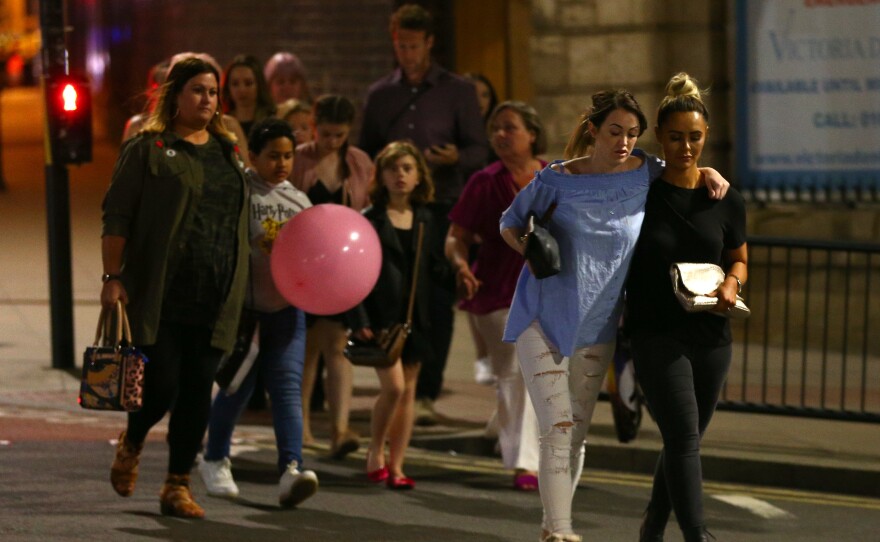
{"x":344,"y":44}
{"x":577,"y":48}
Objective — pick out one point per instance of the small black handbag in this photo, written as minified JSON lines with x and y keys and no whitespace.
{"x":386,"y":347}
{"x":367,"y":353}
{"x":542,"y":250}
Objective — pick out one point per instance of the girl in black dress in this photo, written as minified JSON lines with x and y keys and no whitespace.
{"x":401,"y":190}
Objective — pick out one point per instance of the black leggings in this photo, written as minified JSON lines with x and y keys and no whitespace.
{"x":178,"y":377}
{"x":681,"y":383}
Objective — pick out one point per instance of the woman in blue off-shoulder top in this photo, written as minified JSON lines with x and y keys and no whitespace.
{"x":565,"y":326}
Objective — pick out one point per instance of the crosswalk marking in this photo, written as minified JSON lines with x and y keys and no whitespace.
{"x":756,"y":506}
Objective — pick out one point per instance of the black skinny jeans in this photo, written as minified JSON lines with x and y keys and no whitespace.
{"x":681,"y":383}
{"x":178,"y":378}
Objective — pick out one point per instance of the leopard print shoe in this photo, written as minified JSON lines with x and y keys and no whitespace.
{"x":176,"y":499}
{"x":124,"y":471}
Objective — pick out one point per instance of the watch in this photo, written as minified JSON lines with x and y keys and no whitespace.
{"x":739,"y":284}
{"x":107,"y":277}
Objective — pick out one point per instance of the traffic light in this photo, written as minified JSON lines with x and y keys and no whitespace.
{"x":69,"y":110}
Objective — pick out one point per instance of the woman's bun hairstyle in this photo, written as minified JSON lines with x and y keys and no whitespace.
{"x":683,"y":94}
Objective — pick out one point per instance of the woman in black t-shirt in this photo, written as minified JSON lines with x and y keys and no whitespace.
{"x":682,"y":358}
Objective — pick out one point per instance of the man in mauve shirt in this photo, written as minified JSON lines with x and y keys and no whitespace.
{"x":423,"y":102}
{"x":438,"y":111}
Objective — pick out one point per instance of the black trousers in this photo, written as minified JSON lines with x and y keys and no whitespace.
{"x":177,"y":378}
{"x":681,"y":383}
{"x":441,"y":312}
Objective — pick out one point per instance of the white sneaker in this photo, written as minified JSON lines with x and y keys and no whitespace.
{"x":295,"y":486}
{"x":483,"y":372}
{"x":217,"y":476}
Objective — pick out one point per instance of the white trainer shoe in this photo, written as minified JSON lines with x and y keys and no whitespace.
{"x":483,"y":372}
{"x":217,"y":476}
{"x":295,"y":486}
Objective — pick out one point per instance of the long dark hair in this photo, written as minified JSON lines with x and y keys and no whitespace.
{"x":493,"y":96}
{"x":335,"y":109}
{"x":265,"y":105}
{"x":604,"y":102}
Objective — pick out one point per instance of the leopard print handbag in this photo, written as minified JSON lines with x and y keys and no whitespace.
{"x":113,"y":372}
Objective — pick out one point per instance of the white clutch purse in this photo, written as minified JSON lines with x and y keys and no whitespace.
{"x":692,"y":284}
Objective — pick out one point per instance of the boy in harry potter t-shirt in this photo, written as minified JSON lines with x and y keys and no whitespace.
{"x":280,"y":331}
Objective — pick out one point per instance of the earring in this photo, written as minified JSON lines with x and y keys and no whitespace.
{"x":176,"y":112}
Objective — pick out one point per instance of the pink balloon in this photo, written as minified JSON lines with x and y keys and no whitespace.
{"x":326,"y":259}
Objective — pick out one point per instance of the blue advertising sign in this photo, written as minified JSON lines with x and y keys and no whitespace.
{"x":808,"y":94}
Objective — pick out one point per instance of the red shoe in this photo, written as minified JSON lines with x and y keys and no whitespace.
{"x":378,"y":476}
{"x":400,"y":482}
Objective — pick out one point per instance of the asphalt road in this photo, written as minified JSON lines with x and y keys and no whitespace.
{"x":54,"y":486}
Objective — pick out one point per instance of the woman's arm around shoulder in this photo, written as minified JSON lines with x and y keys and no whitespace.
{"x":715,"y":182}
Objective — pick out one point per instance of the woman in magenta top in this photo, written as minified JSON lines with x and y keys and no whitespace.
{"x":486,"y":286}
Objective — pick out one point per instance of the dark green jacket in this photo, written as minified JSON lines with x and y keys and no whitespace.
{"x":156,"y":186}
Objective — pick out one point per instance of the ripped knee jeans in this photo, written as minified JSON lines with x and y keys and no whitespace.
{"x":564,"y":391}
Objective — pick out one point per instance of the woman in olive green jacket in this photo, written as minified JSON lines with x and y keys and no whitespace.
{"x":175,"y":249}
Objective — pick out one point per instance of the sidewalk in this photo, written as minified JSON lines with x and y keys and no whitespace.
{"x":841,"y":457}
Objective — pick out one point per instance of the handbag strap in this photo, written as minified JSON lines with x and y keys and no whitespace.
{"x":679,"y":215}
{"x":412,"y":290}
{"x":105,"y":320}
{"x":548,"y":214}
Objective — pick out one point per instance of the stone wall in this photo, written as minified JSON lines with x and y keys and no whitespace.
{"x":582,"y":46}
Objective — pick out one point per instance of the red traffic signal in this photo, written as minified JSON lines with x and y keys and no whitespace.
{"x":69,"y":110}
{"x":69,"y":95}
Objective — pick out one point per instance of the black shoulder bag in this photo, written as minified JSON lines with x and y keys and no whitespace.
{"x":542,"y":250}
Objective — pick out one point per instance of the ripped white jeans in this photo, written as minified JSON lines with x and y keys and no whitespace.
{"x":564,"y":392}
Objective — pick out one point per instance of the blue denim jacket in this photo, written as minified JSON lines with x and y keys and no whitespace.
{"x":596,"y":223}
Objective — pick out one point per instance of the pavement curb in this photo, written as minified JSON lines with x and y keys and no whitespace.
{"x":605,"y":454}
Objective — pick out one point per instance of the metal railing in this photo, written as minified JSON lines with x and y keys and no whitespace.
{"x":811,"y":347}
